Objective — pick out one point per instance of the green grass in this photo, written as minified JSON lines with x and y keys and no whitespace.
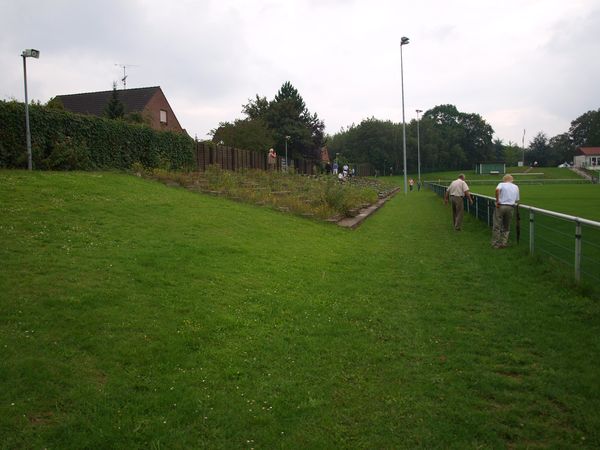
{"x":537,"y":173}
{"x":582,"y":200}
{"x":140,"y":316}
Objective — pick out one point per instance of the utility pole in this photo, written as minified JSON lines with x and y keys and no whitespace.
{"x":419,"y":145}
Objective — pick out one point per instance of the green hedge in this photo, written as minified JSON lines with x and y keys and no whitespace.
{"x":65,"y":141}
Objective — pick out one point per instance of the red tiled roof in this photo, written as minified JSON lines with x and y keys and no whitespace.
{"x":589,"y":151}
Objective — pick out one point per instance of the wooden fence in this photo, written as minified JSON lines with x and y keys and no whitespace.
{"x":230,"y":158}
{"x":235,"y":159}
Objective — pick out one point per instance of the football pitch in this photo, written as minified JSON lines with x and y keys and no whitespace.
{"x":581,"y":200}
{"x":542,"y":189}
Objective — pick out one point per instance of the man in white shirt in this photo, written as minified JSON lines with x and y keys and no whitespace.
{"x":507,"y":197}
{"x":457,"y":190}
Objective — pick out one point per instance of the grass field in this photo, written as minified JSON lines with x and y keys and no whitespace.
{"x":538,"y":173}
{"x":140,"y":316}
{"x":581,"y":200}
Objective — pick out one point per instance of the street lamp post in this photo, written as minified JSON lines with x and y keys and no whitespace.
{"x":403,"y":41}
{"x":419,"y":145}
{"x":28,"y":53}
{"x":523,"y":143}
{"x":286,"y":159}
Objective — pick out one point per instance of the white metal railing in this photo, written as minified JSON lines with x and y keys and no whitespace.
{"x":553,"y":238}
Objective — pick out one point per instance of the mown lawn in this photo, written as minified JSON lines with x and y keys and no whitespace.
{"x":140,"y":316}
{"x":581,"y":200}
{"x":537,"y":173}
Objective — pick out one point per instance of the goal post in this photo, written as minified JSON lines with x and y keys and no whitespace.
{"x":485,"y":168}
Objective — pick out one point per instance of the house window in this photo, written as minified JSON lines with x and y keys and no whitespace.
{"x":163,"y":116}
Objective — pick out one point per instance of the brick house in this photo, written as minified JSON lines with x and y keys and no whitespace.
{"x":588,"y":157}
{"x":149,"y":101}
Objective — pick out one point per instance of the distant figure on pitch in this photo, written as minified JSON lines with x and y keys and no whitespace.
{"x":272,"y":159}
{"x":507,"y":196}
{"x":457,"y":190}
{"x":411,"y":183}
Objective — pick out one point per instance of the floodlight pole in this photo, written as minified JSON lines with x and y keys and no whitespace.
{"x":403,"y":41}
{"x":286,"y":158}
{"x":523,"y":143}
{"x":419,"y":145}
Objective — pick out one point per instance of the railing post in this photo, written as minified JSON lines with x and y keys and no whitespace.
{"x":577,"y":251}
{"x":531,"y":232}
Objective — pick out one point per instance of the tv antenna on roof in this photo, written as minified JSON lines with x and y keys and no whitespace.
{"x":124,"y":79}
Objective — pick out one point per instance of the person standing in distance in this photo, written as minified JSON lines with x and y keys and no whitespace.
{"x":457,"y":190}
{"x":272,"y":159}
{"x":507,"y":196}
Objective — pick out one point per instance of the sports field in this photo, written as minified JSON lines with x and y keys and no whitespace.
{"x":581,"y":200}
{"x":136,"y":315}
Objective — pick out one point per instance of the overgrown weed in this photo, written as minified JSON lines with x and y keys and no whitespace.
{"x":319,"y":196}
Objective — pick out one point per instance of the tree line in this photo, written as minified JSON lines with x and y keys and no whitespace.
{"x":450,"y":139}
{"x":447,"y":138}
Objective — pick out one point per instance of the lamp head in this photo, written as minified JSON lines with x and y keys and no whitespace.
{"x":31,"y":53}
{"x":404,"y":40}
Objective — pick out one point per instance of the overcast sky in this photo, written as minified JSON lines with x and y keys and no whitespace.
{"x":520,"y":64}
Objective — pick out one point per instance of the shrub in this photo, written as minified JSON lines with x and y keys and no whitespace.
{"x":66,"y":141}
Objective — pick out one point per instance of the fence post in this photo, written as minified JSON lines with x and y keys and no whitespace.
{"x":531,"y":232}
{"x":577,"y":251}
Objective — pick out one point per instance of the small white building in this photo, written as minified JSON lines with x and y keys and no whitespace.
{"x":588,"y":157}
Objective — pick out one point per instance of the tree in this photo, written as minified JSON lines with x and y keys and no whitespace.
{"x":512,"y":154}
{"x":463,"y":139}
{"x":372,"y":141}
{"x":561,"y":149}
{"x":250,"y":134}
{"x":538,"y":150}
{"x":585,"y":130}
{"x":257,"y":108}
{"x":114,"y":108}
{"x":288,"y":93}
{"x":287,"y":115}
{"x":498,"y":149}
{"x":55,"y":103}
{"x":477,"y":139}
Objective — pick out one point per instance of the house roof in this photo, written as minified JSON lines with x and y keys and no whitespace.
{"x":134,"y":100}
{"x":589,"y":151}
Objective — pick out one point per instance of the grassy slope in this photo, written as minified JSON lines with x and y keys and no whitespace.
{"x":136,"y":315}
